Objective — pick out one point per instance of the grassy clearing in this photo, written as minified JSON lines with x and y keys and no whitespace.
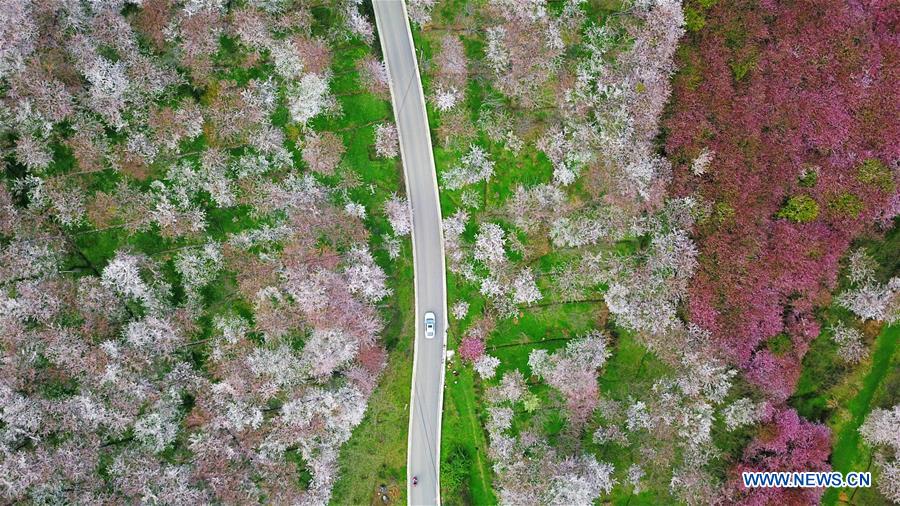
{"x":465,"y":469}
{"x":465,"y":466}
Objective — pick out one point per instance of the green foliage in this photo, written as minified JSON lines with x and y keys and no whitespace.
{"x":695,"y":14}
{"x":741,"y":67}
{"x":694,"y":20}
{"x":779,"y":345}
{"x":849,"y":452}
{"x":531,"y":402}
{"x":800,"y":209}
{"x":822,"y":371}
{"x":808,"y":178}
{"x":723,"y":212}
{"x":304,"y":477}
{"x":462,"y":427}
{"x":846,"y":204}
{"x":877,"y":174}
{"x":455,"y":470}
{"x":689,"y":70}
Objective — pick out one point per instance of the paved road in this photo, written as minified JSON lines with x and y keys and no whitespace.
{"x":426,"y":398}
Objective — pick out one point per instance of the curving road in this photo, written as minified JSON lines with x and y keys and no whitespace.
{"x":426,"y":397}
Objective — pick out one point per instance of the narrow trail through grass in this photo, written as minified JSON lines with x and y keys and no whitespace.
{"x":849,"y":453}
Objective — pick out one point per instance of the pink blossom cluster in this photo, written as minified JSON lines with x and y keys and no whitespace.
{"x":798,"y":109}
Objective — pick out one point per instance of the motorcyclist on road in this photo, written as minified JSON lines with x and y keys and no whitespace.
{"x":415,"y":480}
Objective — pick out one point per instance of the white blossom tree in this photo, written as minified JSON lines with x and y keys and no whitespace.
{"x":882,"y":430}
{"x":580,"y":480}
{"x":486,"y":366}
{"x":851,"y":348}
{"x":387,"y":140}
{"x":475,"y":166}
{"x":490,"y":244}
{"x":365,"y":277}
{"x":867,"y":298}
{"x":420,"y":11}
{"x":399,"y":215}
{"x":198,"y":268}
{"x":309,"y":97}
{"x":460,"y":309}
{"x":525,"y":289}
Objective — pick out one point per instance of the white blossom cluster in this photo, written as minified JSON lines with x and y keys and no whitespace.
{"x":359,"y":25}
{"x":309,"y":97}
{"x":399,"y":215}
{"x":866,"y":297}
{"x":475,"y":166}
{"x":387,"y":140}
{"x":490,"y":244}
{"x":627,"y":98}
{"x":645,"y":289}
{"x":567,"y":155}
{"x":486,"y":366}
{"x":851,"y":348}
{"x":741,"y":412}
{"x":365,"y":277}
{"x":460,"y":309}
{"x":123,"y":274}
{"x":198,"y":267}
{"x":495,"y":52}
{"x":545,"y":477}
{"x":454,"y":226}
{"x":446,"y":98}
{"x":420,"y":11}
{"x":882,"y":430}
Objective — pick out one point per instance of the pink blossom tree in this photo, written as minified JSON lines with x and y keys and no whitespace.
{"x":471,"y":348}
{"x":788,"y":443}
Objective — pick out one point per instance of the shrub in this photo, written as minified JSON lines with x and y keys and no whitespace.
{"x":779,"y":345}
{"x":800,"y":209}
{"x":877,"y":174}
{"x":846,"y":204}
{"x":808,"y":178}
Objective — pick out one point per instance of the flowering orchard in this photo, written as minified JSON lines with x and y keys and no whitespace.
{"x":188,"y":298}
{"x":684,"y":179}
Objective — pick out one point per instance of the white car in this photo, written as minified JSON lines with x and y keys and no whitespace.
{"x":429,"y":325}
